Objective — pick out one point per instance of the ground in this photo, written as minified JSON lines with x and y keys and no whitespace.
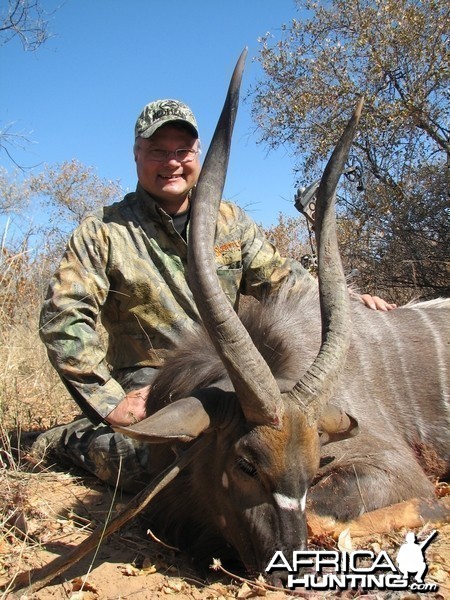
{"x":47,"y":513}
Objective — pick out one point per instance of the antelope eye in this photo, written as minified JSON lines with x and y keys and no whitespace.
{"x":246,"y":467}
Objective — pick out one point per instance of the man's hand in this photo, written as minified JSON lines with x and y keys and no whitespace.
{"x":131,"y":409}
{"x":376,"y":303}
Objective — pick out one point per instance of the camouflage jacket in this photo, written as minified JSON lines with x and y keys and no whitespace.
{"x":127,"y":265}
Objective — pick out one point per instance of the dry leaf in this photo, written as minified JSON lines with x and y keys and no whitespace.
{"x":219,"y":588}
{"x":437,"y":574}
{"x":261,"y":590}
{"x":83,"y":596}
{"x":167,"y":590}
{"x":130,"y":570}
{"x":442,"y":490}
{"x":345,"y":543}
{"x":81,"y":584}
{"x":245,"y":591}
{"x":175,"y":586}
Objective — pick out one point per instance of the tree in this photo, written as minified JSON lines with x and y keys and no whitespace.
{"x":26,"y":20}
{"x":65,"y":194}
{"x":70,"y":191}
{"x":395,"y":53}
{"x":408,"y":250}
{"x":14,"y":192}
{"x":291,"y":237}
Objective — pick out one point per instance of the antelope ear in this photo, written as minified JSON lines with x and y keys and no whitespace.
{"x":183,"y":420}
{"x":335,"y":425}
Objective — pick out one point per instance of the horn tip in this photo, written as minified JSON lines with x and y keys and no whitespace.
{"x":359,"y":107}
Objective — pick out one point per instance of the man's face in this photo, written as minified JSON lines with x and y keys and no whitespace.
{"x":168,"y":181}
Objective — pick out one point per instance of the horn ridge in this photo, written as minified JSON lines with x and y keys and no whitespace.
{"x":255,"y":386}
{"x":316,"y":386}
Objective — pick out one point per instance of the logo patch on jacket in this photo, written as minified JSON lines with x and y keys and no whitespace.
{"x":228,"y":253}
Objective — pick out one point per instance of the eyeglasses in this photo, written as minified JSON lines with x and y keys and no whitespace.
{"x":182,"y":155}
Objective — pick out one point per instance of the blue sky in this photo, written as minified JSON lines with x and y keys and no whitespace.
{"x":79,"y":95}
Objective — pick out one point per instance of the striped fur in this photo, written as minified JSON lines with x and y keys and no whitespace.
{"x":396,"y":384}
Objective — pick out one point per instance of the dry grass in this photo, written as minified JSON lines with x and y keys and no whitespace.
{"x":32,"y":398}
{"x":31,"y":394}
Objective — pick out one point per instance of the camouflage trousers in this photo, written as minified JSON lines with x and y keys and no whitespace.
{"x":112,"y":457}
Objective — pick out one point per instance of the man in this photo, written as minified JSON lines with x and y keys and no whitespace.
{"x":126,"y":265}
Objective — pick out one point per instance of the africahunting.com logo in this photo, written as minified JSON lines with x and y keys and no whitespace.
{"x":359,"y":569}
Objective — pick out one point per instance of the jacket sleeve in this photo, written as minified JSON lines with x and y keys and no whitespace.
{"x":265,"y":270}
{"x":69,"y":319}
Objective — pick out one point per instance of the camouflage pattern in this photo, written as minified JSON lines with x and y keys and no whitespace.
{"x":111,"y":457}
{"x":127,"y":265}
{"x":161,"y":112}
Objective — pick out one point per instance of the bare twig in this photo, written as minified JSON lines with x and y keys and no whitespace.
{"x":258,"y":584}
{"x":158,"y":541}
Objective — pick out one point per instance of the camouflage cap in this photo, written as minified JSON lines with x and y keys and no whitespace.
{"x":161,"y":112}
